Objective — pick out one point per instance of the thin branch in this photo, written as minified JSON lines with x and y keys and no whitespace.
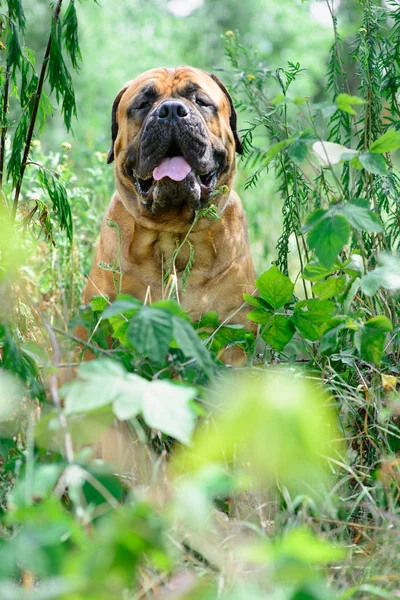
{"x":35,"y":109}
{"x":4,"y":128}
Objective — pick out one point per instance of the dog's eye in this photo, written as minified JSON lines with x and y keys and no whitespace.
{"x":143,"y":104}
{"x":201,"y":101}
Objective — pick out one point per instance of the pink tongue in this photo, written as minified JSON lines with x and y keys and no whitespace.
{"x":175,"y":168}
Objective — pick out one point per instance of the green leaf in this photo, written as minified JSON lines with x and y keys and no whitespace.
{"x":361,"y":218}
{"x":328,"y":237}
{"x":256,"y":302}
{"x":278,"y":332}
{"x":370,"y":339}
{"x":310,"y":315}
{"x":259,"y":315}
{"x":275,"y":287}
{"x":150,"y":332}
{"x":373,"y":163}
{"x":190,"y":344}
{"x":210,"y":319}
{"x":99,"y":303}
{"x":166,"y":407}
{"x":314,"y":271}
{"x":298,"y":151}
{"x":345,"y":103}
{"x":388,"y":142}
{"x":122,"y":306}
{"x":329,"y":288}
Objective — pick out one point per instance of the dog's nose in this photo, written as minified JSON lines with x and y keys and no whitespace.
{"x":172,"y":111}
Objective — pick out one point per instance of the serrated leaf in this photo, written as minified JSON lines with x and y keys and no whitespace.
{"x":314,"y":271}
{"x":310,"y":315}
{"x":275,"y":287}
{"x":329,"y":288}
{"x":373,"y":163}
{"x":370,"y":338}
{"x":328,"y":237}
{"x":388,"y":142}
{"x":256,"y":301}
{"x":150,"y":332}
{"x":259,"y":315}
{"x":278,"y":332}
{"x":361,"y":218}
{"x":190,"y":344}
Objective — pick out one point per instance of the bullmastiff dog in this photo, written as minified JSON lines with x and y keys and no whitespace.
{"x":174,"y":139}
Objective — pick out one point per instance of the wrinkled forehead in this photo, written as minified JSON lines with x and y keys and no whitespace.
{"x":163,"y":83}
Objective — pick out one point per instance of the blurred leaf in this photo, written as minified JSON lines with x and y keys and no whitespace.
{"x":370,"y":339}
{"x":387,"y":275}
{"x":361,"y":218}
{"x":166,"y":407}
{"x":329,"y":153}
{"x":99,"y":303}
{"x":373,"y":163}
{"x":345,"y":102}
{"x":268,"y":425}
{"x":388,"y":142}
{"x":256,"y":302}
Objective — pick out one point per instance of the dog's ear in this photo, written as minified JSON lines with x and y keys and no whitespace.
{"x":114,"y":123}
{"x":233,"y":116}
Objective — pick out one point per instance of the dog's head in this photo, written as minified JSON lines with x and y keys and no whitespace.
{"x":174,"y":139}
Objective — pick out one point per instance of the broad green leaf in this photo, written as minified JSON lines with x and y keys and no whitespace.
{"x":210,"y":319}
{"x":122,"y":305}
{"x":333,"y":286}
{"x":166,"y":407}
{"x":275,"y":287}
{"x":310,"y":315}
{"x":190,"y":344}
{"x":314,"y":271}
{"x":373,"y":163}
{"x":99,"y":303}
{"x":278,"y":332}
{"x":361,"y":218}
{"x":279,"y":423}
{"x":259,"y":315}
{"x":388,"y":142}
{"x":150,"y":332}
{"x":101,"y":382}
{"x":256,"y":302}
{"x":329,"y":153}
{"x":345,"y":102}
{"x":328,"y":237}
{"x":370,"y":338}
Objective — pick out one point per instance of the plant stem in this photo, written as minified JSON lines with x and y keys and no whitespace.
{"x":35,"y":109}
{"x":4,"y":128}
